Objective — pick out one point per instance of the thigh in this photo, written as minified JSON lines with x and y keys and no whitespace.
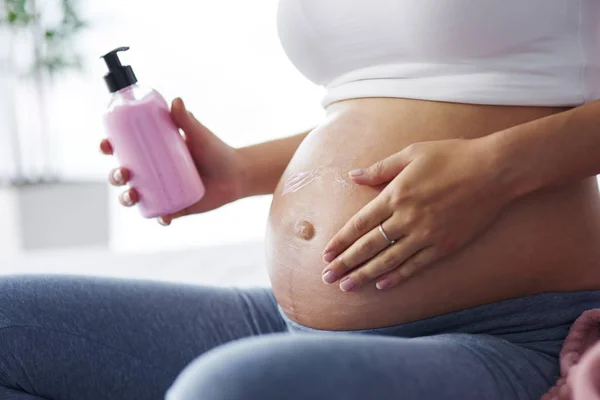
{"x":89,"y":338}
{"x":10,"y":394}
{"x":357,"y":367}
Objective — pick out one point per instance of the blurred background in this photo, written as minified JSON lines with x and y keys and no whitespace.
{"x":57,"y":213}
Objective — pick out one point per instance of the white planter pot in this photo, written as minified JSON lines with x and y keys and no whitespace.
{"x":10,"y":229}
{"x":53,"y":215}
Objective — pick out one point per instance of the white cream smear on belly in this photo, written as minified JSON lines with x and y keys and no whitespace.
{"x":294,"y":183}
{"x":343,"y":182}
{"x":299,"y":180}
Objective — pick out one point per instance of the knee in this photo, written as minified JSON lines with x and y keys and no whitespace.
{"x":274,"y":366}
{"x":22,"y":299}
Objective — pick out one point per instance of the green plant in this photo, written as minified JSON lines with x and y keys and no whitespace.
{"x":51,"y":28}
{"x":52,"y":40}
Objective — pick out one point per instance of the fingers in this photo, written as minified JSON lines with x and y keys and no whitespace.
{"x":184,"y":120}
{"x":119,"y":176}
{"x":386,"y":261}
{"x":365,"y":220}
{"x":196,"y":134}
{"x":106,"y":147}
{"x":382,"y":171}
{"x":129,"y":198}
{"x":411,"y":267}
{"x":166,"y":220}
{"x":361,"y":251}
{"x":182,"y":117}
{"x":179,"y":113}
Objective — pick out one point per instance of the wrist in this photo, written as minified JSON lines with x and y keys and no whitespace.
{"x":245,"y":178}
{"x":507,"y":166}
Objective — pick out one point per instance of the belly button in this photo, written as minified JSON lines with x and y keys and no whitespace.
{"x":304,"y":230}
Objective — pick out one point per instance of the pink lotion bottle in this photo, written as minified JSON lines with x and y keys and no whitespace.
{"x":147,"y":142}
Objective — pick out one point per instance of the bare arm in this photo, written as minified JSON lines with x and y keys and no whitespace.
{"x":550,"y":151}
{"x":264,"y":164}
{"x":228,"y":174}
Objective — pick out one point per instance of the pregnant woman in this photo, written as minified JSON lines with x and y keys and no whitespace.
{"x":433,"y":238}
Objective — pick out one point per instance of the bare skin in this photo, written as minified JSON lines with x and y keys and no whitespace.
{"x":544,"y":241}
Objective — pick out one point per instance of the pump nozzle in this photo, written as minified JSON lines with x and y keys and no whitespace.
{"x":119,"y":76}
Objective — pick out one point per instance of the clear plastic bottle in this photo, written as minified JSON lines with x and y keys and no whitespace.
{"x":148,"y":143}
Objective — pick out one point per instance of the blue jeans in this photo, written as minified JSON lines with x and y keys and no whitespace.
{"x":71,"y":338}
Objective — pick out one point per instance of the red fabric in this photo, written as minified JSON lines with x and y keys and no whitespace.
{"x":580,"y":361}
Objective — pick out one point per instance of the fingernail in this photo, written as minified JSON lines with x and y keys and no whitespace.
{"x":162,"y":221}
{"x":382,"y":284}
{"x":357,"y":172}
{"x":347,"y":284}
{"x":329,"y":277}
{"x":127,"y":198}
{"x":329,"y":256}
{"x":118,"y":176}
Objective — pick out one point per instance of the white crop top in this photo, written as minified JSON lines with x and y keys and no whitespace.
{"x":510,"y":52}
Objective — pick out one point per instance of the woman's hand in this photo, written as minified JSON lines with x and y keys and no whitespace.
{"x":440,"y":195}
{"x":219,"y":166}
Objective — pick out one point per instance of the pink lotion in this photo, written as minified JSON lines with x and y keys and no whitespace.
{"x":148,"y":144}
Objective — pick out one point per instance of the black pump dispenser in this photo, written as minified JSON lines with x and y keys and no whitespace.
{"x":119,"y":76}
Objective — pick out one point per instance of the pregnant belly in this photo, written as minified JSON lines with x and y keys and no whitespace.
{"x":544,"y":242}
